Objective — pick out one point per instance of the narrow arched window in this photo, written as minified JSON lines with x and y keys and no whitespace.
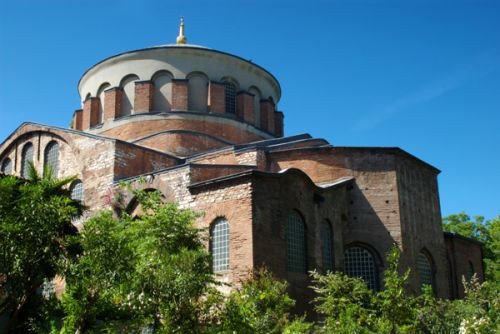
{"x":51,"y":158}
{"x":7,"y":166}
{"x":471,"y":271}
{"x":102,"y":101}
{"x":424,"y":269}
{"x":26,"y":158}
{"x":359,"y":262}
{"x":296,"y":243}
{"x":230,"y":94}
{"x":327,"y":246}
{"x":219,"y":245}
{"x":76,"y":190}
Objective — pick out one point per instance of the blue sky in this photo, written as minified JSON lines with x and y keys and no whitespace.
{"x":420,"y":75}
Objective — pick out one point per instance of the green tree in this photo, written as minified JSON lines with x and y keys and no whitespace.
{"x":150,"y":271}
{"x":261,"y":305}
{"x":35,"y":228}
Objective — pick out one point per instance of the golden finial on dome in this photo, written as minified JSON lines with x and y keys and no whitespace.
{"x":181,"y":39}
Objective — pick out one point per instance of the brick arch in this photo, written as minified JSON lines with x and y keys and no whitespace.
{"x":430,"y":259}
{"x":128,"y":95}
{"x":377,"y":259}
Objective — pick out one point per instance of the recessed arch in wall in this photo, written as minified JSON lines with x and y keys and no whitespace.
{"x":26,"y":157}
{"x":231,"y":87}
{"x":425,"y":268}
{"x":7,"y":166}
{"x":296,"y":242}
{"x":51,"y":158}
{"x":100,"y":95}
{"x":162,"y":97}
{"x":197,"y":91}
{"x":128,"y":86}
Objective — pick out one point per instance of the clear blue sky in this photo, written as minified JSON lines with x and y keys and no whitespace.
{"x":421,"y":75}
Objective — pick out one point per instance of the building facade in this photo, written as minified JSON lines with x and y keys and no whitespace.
{"x":202,"y":127}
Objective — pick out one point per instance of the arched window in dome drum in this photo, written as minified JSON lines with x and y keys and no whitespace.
{"x":51,"y":158}
{"x":197,"y":92}
{"x":26,"y":158}
{"x":7,"y":166}
{"x":327,"y":246}
{"x":219,"y":245}
{"x":424,"y":269}
{"x":359,"y":262}
{"x":128,"y":94}
{"x":100,"y":95}
{"x":230,"y":97}
{"x":256,"y":105}
{"x":162,"y":97}
{"x":296,"y":243}
{"x":76,"y":190}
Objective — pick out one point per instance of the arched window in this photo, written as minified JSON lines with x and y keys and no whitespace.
{"x":128,"y":95}
{"x":230,"y":94}
{"x":100,"y":95}
{"x":471,"y":271}
{"x":197,"y":92}
{"x":219,"y":245}
{"x":424,"y":269}
{"x":359,"y":262}
{"x":296,"y":243}
{"x":7,"y":166}
{"x":162,"y":97}
{"x":26,"y":158}
{"x":76,"y":190}
{"x":327,"y":246}
{"x":51,"y":157}
{"x":256,"y":105}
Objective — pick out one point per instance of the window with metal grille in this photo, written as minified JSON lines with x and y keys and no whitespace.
{"x":326,"y":243}
{"x":230,"y":92}
{"x":51,"y":157}
{"x":296,"y":243}
{"x":219,"y":245}
{"x":77,"y":191}
{"x":359,"y":262}
{"x":424,"y":269}
{"x":26,"y":158}
{"x":7,"y":166}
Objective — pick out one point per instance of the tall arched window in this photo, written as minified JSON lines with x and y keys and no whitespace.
{"x":424,"y":269}
{"x":296,"y":243}
{"x":128,"y":95}
{"x":197,"y":92}
{"x":230,"y":94}
{"x":100,"y":95}
{"x":219,"y":245}
{"x":359,"y":262}
{"x":162,"y":97}
{"x":51,"y":157}
{"x":256,"y":105}
{"x":327,"y":246}
{"x":26,"y":158}
{"x":76,"y":190}
{"x":7,"y":166}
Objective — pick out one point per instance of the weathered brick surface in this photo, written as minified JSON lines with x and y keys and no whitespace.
{"x":90,"y":117}
{"x":181,"y":143}
{"x":143,"y":100}
{"x":136,"y":130}
{"x":112,"y":103}
{"x":267,"y":115}
{"x":201,"y":173}
{"x":216,"y":97}
{"x":461,"y":254}
{"x":179,"y":94}
{"x":244,"y":107}
{"x":278,"y":124}
{"x":77,"y":119}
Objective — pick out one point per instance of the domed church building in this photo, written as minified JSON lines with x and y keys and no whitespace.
{"x":202,"y":127}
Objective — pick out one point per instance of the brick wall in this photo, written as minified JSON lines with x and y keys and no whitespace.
{"x":179,"y":94}
{"x":143,"y":100}
{"x":216,"y":97}
{"x":112,"y":103}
